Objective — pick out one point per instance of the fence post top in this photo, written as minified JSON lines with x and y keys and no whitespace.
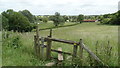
{"x":80,"y":40}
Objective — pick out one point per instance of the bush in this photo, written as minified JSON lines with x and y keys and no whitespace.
{"x":16,"y":21}
{"x":105,"y":21}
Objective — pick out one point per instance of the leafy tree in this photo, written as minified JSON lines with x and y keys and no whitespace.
{"x":16,"y":21}
{"x":115,"y":19}
{"x":57,"y":19}
{"x":80,"y":18}
{"x":30,"y":17}
{"x":45,"y":19}
{"x":105,"y":21}
{"x":5,"y":24}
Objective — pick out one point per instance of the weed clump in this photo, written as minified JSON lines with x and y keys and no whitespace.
{"x":13,"y":42}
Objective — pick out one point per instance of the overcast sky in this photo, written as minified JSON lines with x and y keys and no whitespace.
{"x":65,"y":7}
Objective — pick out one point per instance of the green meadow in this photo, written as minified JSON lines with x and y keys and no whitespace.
{"x":89,"y":32}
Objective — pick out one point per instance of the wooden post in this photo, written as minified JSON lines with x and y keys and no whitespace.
{"x":37,"y":40}
{"x":48,"y":50}
{"x":74,"y":51}
{"x":50,"y":33}
{"x":35,"y":45}
{"x":81,"y":51}
{"x":42,"y":47}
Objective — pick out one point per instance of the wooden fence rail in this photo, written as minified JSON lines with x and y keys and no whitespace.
{"x":62,"y":41}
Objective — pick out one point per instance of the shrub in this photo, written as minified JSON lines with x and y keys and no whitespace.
{"x":105,"y":21}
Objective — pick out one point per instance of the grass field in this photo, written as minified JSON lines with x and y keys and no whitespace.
{"x":89,"y":32}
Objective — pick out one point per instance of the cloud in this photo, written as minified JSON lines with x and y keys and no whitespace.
{"x":69,"y":7}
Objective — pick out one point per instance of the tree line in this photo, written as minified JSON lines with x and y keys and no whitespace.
{"x":112,"y":19}
{"x":25,"y":21}
{"x":60,"y":19}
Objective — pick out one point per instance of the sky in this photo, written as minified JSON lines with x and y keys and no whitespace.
{"x":64,"y":7}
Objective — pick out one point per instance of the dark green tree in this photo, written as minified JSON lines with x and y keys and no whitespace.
{"x":5,"y":24}
{"x":115,"y":19}
{"x":57,"y":19}
{"x":29,"y":15}
{"x":80,"y":18}
{"x":45,"y":19}
{"x":16,"y":21}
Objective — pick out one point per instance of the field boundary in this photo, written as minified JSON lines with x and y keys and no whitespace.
{"x":39,"y":47}
{"x":58,"y":27}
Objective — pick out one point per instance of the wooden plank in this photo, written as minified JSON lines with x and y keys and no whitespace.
{"x":62,"y":41}
{"x":60,"y":56}
{"x":48,"y":50}
{"x":61,"y":52}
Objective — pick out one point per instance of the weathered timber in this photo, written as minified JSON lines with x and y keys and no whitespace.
{"x":62,"y":41}
{"x":81,"y":51}
{"x":50,"y":33}
{"x":48,"y":50}
{"x":74,"y":51}
{"x":42,"y":47}
{"x":35,"y":45}
{"x":61,"y":52}
{"x":37,"y":42}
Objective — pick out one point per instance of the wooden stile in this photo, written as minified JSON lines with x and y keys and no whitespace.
{"x":59,"y":51}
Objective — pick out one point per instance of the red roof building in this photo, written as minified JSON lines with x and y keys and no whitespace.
{"x":89,"y":20}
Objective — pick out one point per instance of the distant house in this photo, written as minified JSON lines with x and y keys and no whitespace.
{"x":90,"y":20}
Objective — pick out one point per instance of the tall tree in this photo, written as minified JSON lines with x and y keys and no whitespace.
{"x":29,"y":15}
{"x":16,"y":21}
{"x":57,"y":19}
{"x":5,"y":24}
{"x":115,"y":19}
{"x":45,"y":19}
{"x":80,"y":18}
